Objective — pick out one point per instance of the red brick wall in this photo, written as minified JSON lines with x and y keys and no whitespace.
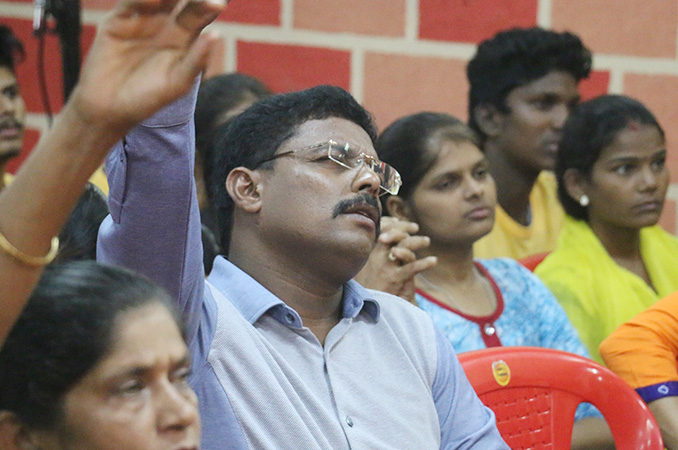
{"x":403,"y":56}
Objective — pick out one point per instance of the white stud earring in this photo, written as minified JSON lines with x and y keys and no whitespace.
{"x":584,"y":200}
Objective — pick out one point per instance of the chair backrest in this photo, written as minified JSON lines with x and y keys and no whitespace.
{"x":534,"y":393}
{"x":531,"y":262}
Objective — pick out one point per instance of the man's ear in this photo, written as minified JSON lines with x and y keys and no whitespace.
{"x":396,"y":207}
{"x":14,"y":435}
{"x":245,"y":188}
{"x":489,"y":119}
{"x":575,"y":184}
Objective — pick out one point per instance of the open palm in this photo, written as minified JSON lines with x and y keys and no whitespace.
{"x":148,"y":52}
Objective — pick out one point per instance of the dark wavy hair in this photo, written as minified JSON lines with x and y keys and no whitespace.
{"x":258,"y":133}
{"x":65,"y":329}
{"x":78,"y":237}
{"x":11,"y":48}
{"x":516,"y":57}
{"x":592,"y":126}
{"x":406,"y":145}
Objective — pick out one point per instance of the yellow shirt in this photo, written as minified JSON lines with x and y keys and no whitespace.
{"x":98,"y":179}
{"x":510,"y":239}
{"x":597,"y":294}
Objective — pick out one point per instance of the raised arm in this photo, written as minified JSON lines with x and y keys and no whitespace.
{"x":154,"y":222}
{"x":145,"y":55}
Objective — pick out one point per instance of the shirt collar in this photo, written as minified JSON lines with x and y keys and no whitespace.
{"x":357,"y":299}
{"x":247,"y":295}
{"x":253,"y":300}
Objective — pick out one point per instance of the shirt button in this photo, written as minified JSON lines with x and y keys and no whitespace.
{"x":349,"y":421}
{"x":290,"y":318}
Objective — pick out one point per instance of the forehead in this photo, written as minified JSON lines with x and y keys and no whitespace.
{"x":454,"y":156}
{"x":321,"y":130}
{"x":641,"y":142}
{"x":141,"y":337}
{"x":557,"y":83}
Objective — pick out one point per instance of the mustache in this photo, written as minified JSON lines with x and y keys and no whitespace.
{"x":11,"y":123}
{"x":360,"y":199}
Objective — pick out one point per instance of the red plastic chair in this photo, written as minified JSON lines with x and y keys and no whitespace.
{"x":535,"y":391}
{"x":531,"y":262}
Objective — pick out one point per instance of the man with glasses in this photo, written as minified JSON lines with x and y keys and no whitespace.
{"x":289,"y":352}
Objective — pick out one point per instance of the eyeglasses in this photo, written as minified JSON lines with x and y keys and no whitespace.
{"x":350,"y":157}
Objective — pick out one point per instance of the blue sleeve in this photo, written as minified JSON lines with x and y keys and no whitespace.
{"x":465,"y":423}
{"x":154,"y":222}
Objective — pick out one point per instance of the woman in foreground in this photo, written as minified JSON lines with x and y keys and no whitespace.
{"x":96,"y":361}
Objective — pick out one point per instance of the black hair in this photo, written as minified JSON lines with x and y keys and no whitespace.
{"x":210,"y":247}
{"x":217,"y":97}
{"x":78,"y":237}
{"x":11,"y":48}
{"x":406,"y":145}
{"x":516,"y":57}
{"x":65,"y":329}
{"x":592,"y":126}
{"x":258,"y":133}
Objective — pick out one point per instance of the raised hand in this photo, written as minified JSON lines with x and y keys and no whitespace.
{"x":146,"y":54}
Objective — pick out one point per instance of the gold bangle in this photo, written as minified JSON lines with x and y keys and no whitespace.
{"x":33,"y":261}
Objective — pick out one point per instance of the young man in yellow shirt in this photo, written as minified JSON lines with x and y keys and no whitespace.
{"x":523,"y":84}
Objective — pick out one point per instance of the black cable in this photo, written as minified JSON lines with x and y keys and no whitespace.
{"x":68,"y":26}
{"x":66,"y":15}
{"x":41,"y":75}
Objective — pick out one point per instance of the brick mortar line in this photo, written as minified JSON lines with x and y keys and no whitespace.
{"x":544,"y":13}
{"x":345,"y":41}
{"x":357,"y":83}
{"x":616,"y":85}
{"x":636,"y":64}
{"x":402,"y":46}
{"x":231,"y":60}
{"x":380,"y":44}
{"x":287,"y":14}
{"x":37,"y":121}
{"x":672,"y":194}
{"x":411,"y":19}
